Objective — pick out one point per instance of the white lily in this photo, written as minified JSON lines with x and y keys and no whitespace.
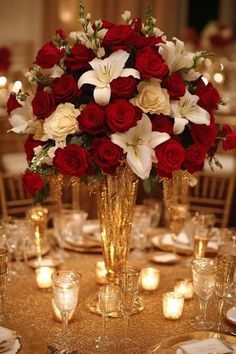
{"x":186,"y":109}
{"x":20,"y":118}
{"x":139,"y":143}
{"x":104,"y":71}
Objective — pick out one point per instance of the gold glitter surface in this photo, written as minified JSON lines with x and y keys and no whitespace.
{"x":29,"y":307}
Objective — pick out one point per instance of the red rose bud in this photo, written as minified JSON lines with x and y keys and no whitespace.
{"x":92,"y":118}
{"x":79,"y":58}
{"x":49,"y":55}
{"x":32,"y":182}
{"x":226,"y":129}
{"x":162,"y":124}
{"x":29,"y":146}
{"x":204,"y":134}
{"x":136,"y":24}
{"x":61,"y":33}
{"x":72,"y":160}
{"x":175,"y":86}
{"x":106,"y":154}
{"x":194,"y":158}
{"x":43,"y":104}
{"x":170,"y":156}
{"x":150,"y":64}
{"x":123,"y":87}
{"x":12,"y":103}
{"x":64,"y":88}
{"x":230,"y":141}
{"x":121,"y":115}
{"x":209,"y":97}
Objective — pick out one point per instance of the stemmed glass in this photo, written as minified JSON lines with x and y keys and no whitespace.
{"x":66,"y":286}
{"x":204,"y":275}
{"x":128,"y":277}
{"x":225,"y":273}
{"x":3,"y":279}
{"x":108,"y":301}
{"x":177,"y":216}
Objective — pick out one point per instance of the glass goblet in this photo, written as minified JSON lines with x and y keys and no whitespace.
{"x":204,"y":275}
{"x":177,"y":216}
{"x":128,"y":277}
{"x":109,"y":299}
{"x":66,"y":286}
{"x":225,"y":273}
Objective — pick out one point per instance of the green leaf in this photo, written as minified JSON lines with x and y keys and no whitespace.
{"x":150,"y":184}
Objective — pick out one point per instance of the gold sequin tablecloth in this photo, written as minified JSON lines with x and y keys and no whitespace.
{"x":29,"y":307}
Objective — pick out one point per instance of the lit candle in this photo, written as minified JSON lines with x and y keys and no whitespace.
{"x":3,"y":81}
{"x":101,"y":273}
{"x":173,"y":305}
{"x":43,"y":277}
{"x":57,"y":313}
{"x":17,"y":86}
{"x":150,"y":278}
{"x":184,"y":287}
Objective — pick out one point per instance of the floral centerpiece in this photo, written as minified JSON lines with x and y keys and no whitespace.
{"x":112,"y":98}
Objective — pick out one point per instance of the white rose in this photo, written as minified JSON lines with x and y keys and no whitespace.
{"x":152,"y":98}
{"x":62,"y":122}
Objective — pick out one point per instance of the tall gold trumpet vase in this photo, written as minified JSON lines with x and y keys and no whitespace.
{"x":116,"y":197}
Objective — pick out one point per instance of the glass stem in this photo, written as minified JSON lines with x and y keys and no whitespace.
{"x":203,"y":309}
{"x":104,"y":326}
{"x":2,"y":306}
{"x":126,"y":317}
{"x":65,"y":318}
{"x":220,"y":308}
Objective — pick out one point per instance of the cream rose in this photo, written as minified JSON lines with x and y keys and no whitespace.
{"x":152,"y":98}
{"x":62,"y":122}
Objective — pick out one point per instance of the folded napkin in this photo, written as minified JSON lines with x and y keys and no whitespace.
{"x":9,"y":343}
{"x":181,"y":238}
{"x":206,"y":346}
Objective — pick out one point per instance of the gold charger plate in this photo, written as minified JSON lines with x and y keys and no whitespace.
{"x":31,"y":342}
{"x":170,"y":345}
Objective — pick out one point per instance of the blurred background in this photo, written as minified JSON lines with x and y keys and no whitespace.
{"x":202,"y":24}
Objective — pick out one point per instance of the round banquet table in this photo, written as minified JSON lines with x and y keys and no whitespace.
{"x":29,"y":307}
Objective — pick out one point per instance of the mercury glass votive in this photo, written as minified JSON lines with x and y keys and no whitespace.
{"x":44,"y":277}
{"x":184,"y":287}
{"x":172,"y":304}
{"x":150,"y":278}
{"x":101,"y":273}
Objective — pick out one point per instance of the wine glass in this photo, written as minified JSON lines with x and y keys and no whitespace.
{"x":108,"y":301}
{"x":66,"y":286}
{"x":225,"y":273}
{"x":128,"y":277}
{"x":177,"y":216}
{"x":3,"y":279}
{"x":204,"y":275}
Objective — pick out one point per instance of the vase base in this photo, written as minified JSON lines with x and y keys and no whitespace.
{"x":92,"y":306}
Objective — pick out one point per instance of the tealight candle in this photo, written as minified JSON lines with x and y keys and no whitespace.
{"x":101,"y":273}
{"x":150,"y":278}
{"x":184,"y":287}
{"x":43,"y":277}
{"x":57,"y":314}
{"x":173,"y":305}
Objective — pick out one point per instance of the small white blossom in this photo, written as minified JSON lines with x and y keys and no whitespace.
{"x":82,"y":21}
{"x":126,"y":15}
{"x":100,"y":52}
{"x":88,"y":16}
{"x":90,"y":30}
{"x":101,"y":34}
{"x":98,"y":23}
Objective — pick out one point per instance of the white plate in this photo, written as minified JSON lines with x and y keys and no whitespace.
{"x":91,"y":227}
{"x":230,"y":314}
{"x":45,"y":262}
{"x":164,"y":258}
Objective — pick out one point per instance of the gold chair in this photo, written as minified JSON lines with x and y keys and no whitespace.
{"x":213,"y":194}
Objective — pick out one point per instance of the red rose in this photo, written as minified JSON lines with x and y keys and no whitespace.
{"x":136,"y":24}
{"x":209,"y":97}
{"x":79,"y":58}
{"x":123,"y":87}
{"x":226,"y":129}
{"x":32,"y":182}
{"x":162,"y":123}
{"x":64,"y":88}
{"x":118,"y":36}
{"x":43,"y":104}
{"x":141,"y":41}
{"x":194,"y":158}
{"x":72,"y":160}
{"x":150,"y":64}
{"x":5,"y":58}
{"x":170,"y":156}
{"x":204,"y":134}
{"x":121,"y":115}
{"x":230,"y":141}
{"x":61,"y":33}
{"x":107,"y":24}
{"x":106,"y":154}
{"x":49,"y":55}
{"x":12,"y":103}
{"x":175,"y":86}
{"x":29,"y":146}
{"x":92,"y":119}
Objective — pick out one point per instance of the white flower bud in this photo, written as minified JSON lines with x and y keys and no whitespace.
{"x":101,"y":34}
{"x":88,"y":16}
{"x":90,"y":30}
{"x":100,"y":52}
{"x":98,"y":23}
{"x":82,"y":21}
{"x":126,"y":15}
